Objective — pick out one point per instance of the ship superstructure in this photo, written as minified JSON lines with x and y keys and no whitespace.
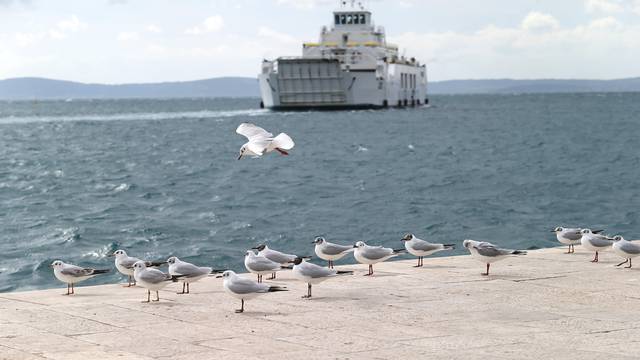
{"x":352,"y":66}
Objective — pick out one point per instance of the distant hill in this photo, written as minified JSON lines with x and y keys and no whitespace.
{"x":40,"y":88}
{"x":507,"y":86}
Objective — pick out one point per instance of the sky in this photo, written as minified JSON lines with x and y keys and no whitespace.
{"x":131,"y":41}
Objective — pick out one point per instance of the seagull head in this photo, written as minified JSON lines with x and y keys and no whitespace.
{"x":318,"y":240}
{"x":557,"y":230}
{"x":172,"y":260}
{"x":359,"y":244}
{"x":467,"y":243}
{"x":226,"y":274}
{"x":407,"y":237}
{"x":139,"y":265}
{"x":297,"y":261}
{"x":249,"y":253}
{"x":618,"y":238}
{"x":56,"y":264}
{"x":260,"y":247}
{"x":242,"y":151}
{"x":119,"y":253}
{"x":586,"y":231}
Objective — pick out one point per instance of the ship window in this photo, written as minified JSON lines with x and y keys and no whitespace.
{"x":343,"y":19}
{"x":349,"y":19}
{"x":337,"y":19}
{"x":356,"y":19}
{"x":362,"y":19}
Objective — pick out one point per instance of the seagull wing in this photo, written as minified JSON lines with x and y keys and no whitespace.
{"x":154,"y":276}
{"x":251,"y":131}
{"x":258,"y":145}
{"x":246,"y":286}
{"x":76,"y":271}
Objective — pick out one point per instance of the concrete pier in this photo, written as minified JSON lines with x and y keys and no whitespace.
{"x":543,"y":305}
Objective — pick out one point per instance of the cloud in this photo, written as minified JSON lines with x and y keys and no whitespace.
{"x":72,"y":24}
{"x":11,"y":2}
{"x":635,"y":7}
{"x":608,"y":22}
{"x":536,"y":21}
{"x":305,"y":4}
{"x":606,"y":6}
{"x":211,"y":24}
{"x":153,"y":28}
{"x":266,"y":32}
{"x":128,"y":36}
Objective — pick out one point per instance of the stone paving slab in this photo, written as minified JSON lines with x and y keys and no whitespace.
{"x":544,"y":305}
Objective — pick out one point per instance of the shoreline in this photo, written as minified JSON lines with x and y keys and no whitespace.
{"x":546,"y":303}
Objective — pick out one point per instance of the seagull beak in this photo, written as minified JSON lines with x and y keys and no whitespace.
{"x":111,"y":255}
{"x":218,"y":276}
{"x":240,"y":157}
{"x":552,"y":231}
{"x":355,"y":246}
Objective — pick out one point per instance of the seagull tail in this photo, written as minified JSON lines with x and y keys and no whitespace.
{"x":519,"y":252}
{"x":217,"y":271}
{"x":283,"y":141}
{"x":176,"y":278}
{"x":307,"y":257}
{"x":449,"y":246}
{"x":287,"y":267}
{"x":399,"y":251}
{"x":100,"y":271}
{"x":156,"y":263}
{"x":277,"y":288}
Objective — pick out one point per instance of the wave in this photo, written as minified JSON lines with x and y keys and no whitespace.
{"x":203,"y":114}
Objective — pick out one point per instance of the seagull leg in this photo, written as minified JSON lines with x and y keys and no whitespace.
{"x":180,"y":293}
{"x":487,"y":273}
{"x":628,"y":267}
{"x":241,"y":308}
{"x":259,"y":278}
{"x":73,"y":290}
{"x":569,"y":250}
{"x":187,"y":288}
{"x":308,"y":292}
{"x":330,"y":264}
{"x":418,"y":262}
{"x":157,"y":296}
{"x":370,"y":270}
{"x":273,"y":276}
{"x":595,"y":259}
{"x":624,"y":262}
{"x":128,"y":281}
{"x":282,"y":151}
{"x":148,"y":296}
{"x":68,"y":287}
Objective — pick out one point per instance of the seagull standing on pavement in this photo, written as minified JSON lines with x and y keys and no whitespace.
{"x":421,"y":248}
{"x":71,"y":274}
{"x":625,"y":249}
{"x":276,"y":256}
{"x":570,"y":236}
{"x":245,"y":289}
{"x":152,"y":279}
{"x":313,"y":274}
{"x":489,"y":253}
{"x":262,"y":142}
{"x":595,"y":242}
{"x":190,"y":273}
{"x":330,"y":251}
{"x":260,"y":265}
{"x":370,"y":255}
{"x":124,"y":264}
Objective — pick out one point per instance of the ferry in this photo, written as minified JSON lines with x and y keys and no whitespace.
{"x":351,"y":67}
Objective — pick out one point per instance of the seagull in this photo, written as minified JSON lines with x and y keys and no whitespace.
{"x":366,"y":254}
{"x":313,"y":274}
{"x":488,"y":253}
{"x":570,"y":236}
{"x":277,"y":256}
{"x":330,"y":251}
{"x":124,"y":264}
{"x":626,"y":249}
{"x":71,"y":274}
{"x":191,"y":273}
{"x":421,"y":248}
{"x":152,"y":279}
{"x":595,"y":242}
{"x":245,"y":289}
{"x":260,"y":265}
{"x":262,"y":142}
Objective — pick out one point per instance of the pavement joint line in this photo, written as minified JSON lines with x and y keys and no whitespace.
{"x":539,"y":278}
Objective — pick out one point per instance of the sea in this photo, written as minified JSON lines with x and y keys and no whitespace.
{"x":160,"y":177}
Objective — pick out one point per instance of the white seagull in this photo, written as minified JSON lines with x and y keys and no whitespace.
{"x":625,"y":249}
{"x":260,"y":265}
{"x":124,"y":264}
{"x":370,"y":255}
{"x":152,"y":279}
{"x":71,"y":274}
{"x":190,"y":273}
{"x":330,"y":251}
{"x":262,"y":142}
{"x":570,"y":236}
{"x":595,"y":242}
{"x":313,"y":274}
{"x":488,"y":253}
{"x":421,"y":248}
{"x":245,"y":289}
{"x":277,"y":256}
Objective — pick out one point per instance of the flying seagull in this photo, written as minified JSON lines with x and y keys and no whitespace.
{"x":262,"y":142}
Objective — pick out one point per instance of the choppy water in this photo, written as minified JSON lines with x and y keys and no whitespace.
{"x":159,"y":177}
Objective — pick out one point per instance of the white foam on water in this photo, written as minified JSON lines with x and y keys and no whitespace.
{"x":203,"y":114}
